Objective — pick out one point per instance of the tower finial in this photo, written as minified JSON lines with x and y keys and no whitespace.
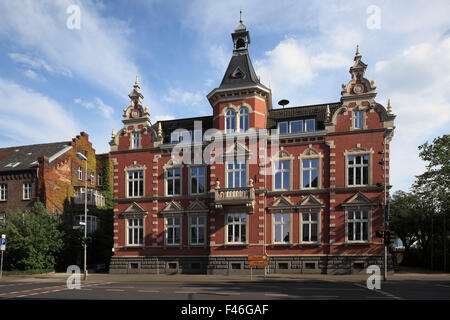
{"x":240,"y":16}
{"x":357,"y":50}
{"x":389,"y":107}
{"x":137,"y":81}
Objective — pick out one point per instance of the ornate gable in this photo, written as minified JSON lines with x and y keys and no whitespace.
{"x":358,"y":200}
{"x":197,"y":206}
{"x":310,"y":202}
{"x":173,"y":207}
{"x":134,"y":210}
{"x":281,"y":204}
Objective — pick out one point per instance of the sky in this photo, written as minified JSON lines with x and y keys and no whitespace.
{"x":60,"y":75}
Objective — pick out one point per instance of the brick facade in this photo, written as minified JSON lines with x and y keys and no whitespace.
{"x":324,"y":225}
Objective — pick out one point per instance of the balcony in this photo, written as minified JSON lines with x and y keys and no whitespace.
{"x":241,"y":196}
{"x":94,"y":197}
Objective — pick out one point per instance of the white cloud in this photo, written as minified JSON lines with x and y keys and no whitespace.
{"x":98,"y":104}
{"x":99,"y":52}
{"x":31,"y":74}
{"x":30,"y":117}
{"x":180,"y":96}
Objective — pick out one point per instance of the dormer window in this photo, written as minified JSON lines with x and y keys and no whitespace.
{"x":296,"y":126}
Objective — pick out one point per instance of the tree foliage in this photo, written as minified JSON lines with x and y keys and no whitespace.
{"x":34,"y":239}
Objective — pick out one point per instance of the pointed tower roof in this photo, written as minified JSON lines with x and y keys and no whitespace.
{"x":240,"y":71}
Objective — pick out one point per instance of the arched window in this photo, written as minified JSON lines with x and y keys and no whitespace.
{"x":230,"y":121}
{"x":243,"y":119}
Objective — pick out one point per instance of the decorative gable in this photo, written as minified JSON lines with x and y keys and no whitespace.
{"x":197,"y":206}
{"x":134,"y":211}
{"x":173,"y":207}
{"x":358,"y":200}
{"x":281,"y":204}
{"x":310,"y":201}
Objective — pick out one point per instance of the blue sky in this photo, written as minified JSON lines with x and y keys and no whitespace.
{"x":56,"y":81}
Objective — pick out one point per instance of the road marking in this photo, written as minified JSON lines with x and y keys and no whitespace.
{"x":114,"y":290}
{"x":276,"y":294}
{"x":387,"y":294}
{"x":442,"y":285}
{"x":152,"y":291}
{"x":228,"y":293}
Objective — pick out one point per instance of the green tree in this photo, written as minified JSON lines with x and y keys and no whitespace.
{"x":34,"y":239}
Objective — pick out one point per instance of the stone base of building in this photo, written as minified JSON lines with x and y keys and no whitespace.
{"x":239,"y":265}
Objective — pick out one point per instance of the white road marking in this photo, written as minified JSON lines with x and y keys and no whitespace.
{"x":185,"y":291}
{"x":114,"y":290}
{"x":442,"y":285}
{"x":276,"y":294}
{"x":153,"y":291}
{"x":387,"y":294}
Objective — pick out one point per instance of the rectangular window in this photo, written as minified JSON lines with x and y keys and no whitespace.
{"x":282,"y":227}
{"x":136,"y":140}
{"x":237,"y":174}
{"x":358,"y":118}
{"x":310,"y":172}
{"x":237,"y":227}
{"x":173,"y":229}
{"x":283,"y":128}
{"x":80,"y":173}
{"x":358,"y":170}
{"x":92,"y":178}
{"x":310,"y":125}
{"x":27,"y":191}
{"x":296,"y":126}
{"x":309,"y":227}
{"x":3,"y":192}
{"x":198,"y":227}
{"x":100,"y":179}
{"x":357,"y":225}
{"x":135,"y":231}
{"x":136,"y":183}
{"x":198,"y":183}
{"x":282,"y":175}
{"x":173,"y":179}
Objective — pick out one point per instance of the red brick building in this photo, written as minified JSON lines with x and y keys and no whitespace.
{"x":312,"y":205}
{"x":52,"y":174}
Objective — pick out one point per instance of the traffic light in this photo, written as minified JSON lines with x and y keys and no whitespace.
{"x":387,"y":238}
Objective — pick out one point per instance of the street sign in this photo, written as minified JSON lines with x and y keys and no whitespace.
{"x":3,"y":244}
{"x":258,"y":262}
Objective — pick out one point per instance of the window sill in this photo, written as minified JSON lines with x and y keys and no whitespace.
{"x":235,"y":245}
{"x":134,"y":246}
{"x":358,"y":243}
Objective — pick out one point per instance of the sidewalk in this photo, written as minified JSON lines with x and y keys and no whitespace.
{"x":404,"y":274}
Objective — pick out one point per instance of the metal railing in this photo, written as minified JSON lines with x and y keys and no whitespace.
{"x":94,"y":197}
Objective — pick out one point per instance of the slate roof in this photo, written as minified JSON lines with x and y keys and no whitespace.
{"x":26,"y":155}
{"x":318,"y":111}
{"x":242,"y":61}
{"x":168,"y":126}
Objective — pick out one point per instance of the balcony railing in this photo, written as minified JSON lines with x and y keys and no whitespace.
{"x":234,"y":196}
{"x":94,"y":197}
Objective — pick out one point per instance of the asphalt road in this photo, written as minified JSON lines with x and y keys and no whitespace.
{"x":229,"y":290}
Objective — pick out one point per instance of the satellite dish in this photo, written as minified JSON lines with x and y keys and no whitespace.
{"x":283,"y":102}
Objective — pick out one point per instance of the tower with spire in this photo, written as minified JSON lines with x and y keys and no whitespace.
{"x":240,"y":85}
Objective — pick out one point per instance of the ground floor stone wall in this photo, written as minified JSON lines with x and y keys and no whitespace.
{"x":228,"y":265}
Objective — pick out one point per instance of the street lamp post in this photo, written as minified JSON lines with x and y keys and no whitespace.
{"x":83,"y":157}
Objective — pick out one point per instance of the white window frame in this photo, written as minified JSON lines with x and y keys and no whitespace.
{"x":27,"y":190}
{"x":360,"y":221}
{"x":305,"y":125}
{"x":283,"y":225}
{"x":310,"y":169}
{"x":135,"y":140}
{"x":227,"y":170}
{"x":192,"y":192}
{"x":358,"y":119}
{"x":290,"y":126}
{"x":3,"y":192}
{"x":232,"y":224}
{"x":175,"y":179}
{"x":230,"y":115}
{"x":80,"y":173}
{"x":174,"y":226}
{"x":287,"y":127}
{"x":244,"y":118}
{"x":282,"y":171}
{"x":133,"y":229}
{"x":310,"y":223}
{"x":198,"y":226}
{"x":100,"y":179}
{"x":93,"y":178}
{"x":359,"y":166}
{"x":133,"y":179}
